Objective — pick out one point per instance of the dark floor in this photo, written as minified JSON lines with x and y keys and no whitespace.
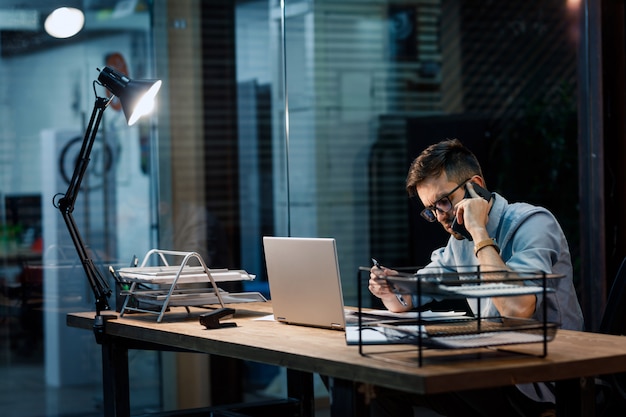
{"x":24,"y":391}
{"x":23,"y":388}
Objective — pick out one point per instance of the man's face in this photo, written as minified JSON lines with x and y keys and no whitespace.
{"x":440,"y":195}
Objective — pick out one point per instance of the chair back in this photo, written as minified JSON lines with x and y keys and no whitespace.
{"x":614,"y":316}
{"x":612,"y":388}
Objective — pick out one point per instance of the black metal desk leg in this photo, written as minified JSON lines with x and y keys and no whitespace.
{"x":115,"y":379}
{"x":575,"y":397}
{"x":300,"y":387}
{"x":345,"y":399}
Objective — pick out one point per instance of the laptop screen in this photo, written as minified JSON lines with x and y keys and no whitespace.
{"x":304,"y":280}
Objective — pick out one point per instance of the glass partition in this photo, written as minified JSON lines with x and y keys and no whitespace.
{"x":285,"y":118}
{"x":47,"y":94}
{"x":371,"y":84}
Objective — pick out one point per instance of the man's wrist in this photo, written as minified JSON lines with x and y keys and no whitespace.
{"x":485,"y":243}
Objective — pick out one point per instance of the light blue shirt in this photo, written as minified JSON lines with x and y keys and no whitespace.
{"x":530,"y":240}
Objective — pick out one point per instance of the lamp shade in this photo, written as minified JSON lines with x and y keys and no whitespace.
{"x":136,"y":97}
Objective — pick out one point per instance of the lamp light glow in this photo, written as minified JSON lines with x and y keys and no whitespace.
{"x":64,"y":22}
{"x":136,"y":97}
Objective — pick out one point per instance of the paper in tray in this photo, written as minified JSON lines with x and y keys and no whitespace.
{"x":453,"y":336}
{"x":188,"y":274}
{"x":196,"y":299}
{"x":469,"y":285}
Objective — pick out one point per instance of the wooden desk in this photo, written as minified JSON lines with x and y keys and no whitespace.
{"x":573,"y":358}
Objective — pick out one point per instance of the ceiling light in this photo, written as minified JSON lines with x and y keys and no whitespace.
{"x":64,"y":22}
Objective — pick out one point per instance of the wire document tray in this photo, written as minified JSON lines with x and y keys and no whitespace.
{"x":179,"y":285}
{"x":455,"y":332}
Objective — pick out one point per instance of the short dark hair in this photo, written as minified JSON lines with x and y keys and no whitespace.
{"x":449,"y":156}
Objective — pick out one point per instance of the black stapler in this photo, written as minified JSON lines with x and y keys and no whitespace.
{"x":211,"y":320}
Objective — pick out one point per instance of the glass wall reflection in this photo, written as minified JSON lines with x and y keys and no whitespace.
{"x":47,"y":95}
{"x":297,"y":118}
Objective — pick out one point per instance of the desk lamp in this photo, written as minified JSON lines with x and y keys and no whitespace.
{"x":136,"y":99}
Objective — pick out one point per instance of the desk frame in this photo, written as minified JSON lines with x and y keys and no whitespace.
{"x":573,"y":360}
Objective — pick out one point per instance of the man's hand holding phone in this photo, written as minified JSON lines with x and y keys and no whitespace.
{"x":473,"y":211}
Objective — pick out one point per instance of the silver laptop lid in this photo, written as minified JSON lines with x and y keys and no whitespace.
{"x":304,"y":280}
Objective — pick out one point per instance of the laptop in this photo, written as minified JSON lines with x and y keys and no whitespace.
{"x":304,"y":280}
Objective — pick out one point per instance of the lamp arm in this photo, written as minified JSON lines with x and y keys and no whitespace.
{"x":82,"y":161}
{"x":99,"y":286}
{"x":66,"y":203}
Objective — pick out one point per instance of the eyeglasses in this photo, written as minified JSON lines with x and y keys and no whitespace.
{"x":443,"y":205}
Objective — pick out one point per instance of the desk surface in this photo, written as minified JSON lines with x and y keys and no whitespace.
{"x":570,"y":355}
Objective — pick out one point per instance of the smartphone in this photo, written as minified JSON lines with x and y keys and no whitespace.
{"x":459,"y":228}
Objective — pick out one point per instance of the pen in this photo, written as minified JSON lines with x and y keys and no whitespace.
{"x":114,"y":275}
{"x":376,"y":264}
{"x":398,"y":296}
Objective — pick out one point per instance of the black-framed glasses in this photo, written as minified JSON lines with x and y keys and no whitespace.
{"x":443,"y":205}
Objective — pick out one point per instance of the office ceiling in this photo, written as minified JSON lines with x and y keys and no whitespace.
{"x":52,"y":4}
{"x":21,"y":21}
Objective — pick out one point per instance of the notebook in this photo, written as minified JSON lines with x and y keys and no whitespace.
{"x":304,"y":280}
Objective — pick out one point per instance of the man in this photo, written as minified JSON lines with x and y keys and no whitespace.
{"x":516,"y":237}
